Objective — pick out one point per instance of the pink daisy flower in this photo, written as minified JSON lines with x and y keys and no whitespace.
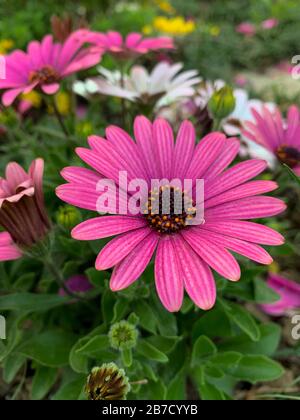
{"x":280,"y":137}
{"x":184,"y":254}
{"x":8,"y":250}
{"x":246,"y":28}
{"x":45,"y":64}
{"x":76,"y":284}
{"x":270,"y":23}
{"x":289,"y":292}
{"x":22,"y":210}
{"x":133,"y":45}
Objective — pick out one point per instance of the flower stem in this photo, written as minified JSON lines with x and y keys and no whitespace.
{"x":59,"y":118}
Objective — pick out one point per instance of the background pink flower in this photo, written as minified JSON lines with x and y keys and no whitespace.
{"x":269,"y":23}
{"x":281,"y":137}
{"x":246,"y":28}
{"x":76,"y":284}
{"x":44,"y":65}
{"x":134,"y":43}
{"x":8,"y":250}
{"x":289,"y":292}
{"x":184,"y":254}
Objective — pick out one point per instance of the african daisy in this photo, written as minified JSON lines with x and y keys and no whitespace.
{"x":185,"y":254}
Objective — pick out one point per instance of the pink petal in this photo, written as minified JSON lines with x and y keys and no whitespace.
{"x":234,"y":176}
{"x":163,"y":141}
{"x":246,"y":208}
{"x":132,"y":39}
{"x":228,"y":154}
{"x":79,"y":175}
{"x":118,"y":248}
{"x":184,"y":148}
{"x":248,"y":231}
{"x":168,"y":276}
{"x":216,"y":256}
{"x":50,"y":89}
{"x":144,"y":139}
{"x":131,"y":268}
{"x":198,"y":279}
{"x":10,"y":95}
{"x":105,"y":226}
{"x":15,"y":175}
{"x":206,"y":152}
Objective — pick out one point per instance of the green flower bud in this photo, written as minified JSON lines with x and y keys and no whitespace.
{"x":107,"y":382}
{"x":123,"y":335}
{"x":68,"y":216}
{"x":222,"y":103}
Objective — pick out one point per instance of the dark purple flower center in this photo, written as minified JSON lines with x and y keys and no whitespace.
{"x":169,"y":209}
{"x":45,"y":75}
{"x":289,"y":155}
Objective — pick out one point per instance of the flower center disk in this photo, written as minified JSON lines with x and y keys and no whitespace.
{"x":289,"y":155}
{"x":169,"y":209}
{"x":45,"y":75}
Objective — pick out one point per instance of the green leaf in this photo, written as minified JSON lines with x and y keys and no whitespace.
{"x":227,"y":361}
{"x":70,"y":391}
{"x":127,"y":357}
{"x":11,"y":366}
{"x":202,"y":349}
{"x":157,"y":390}
{"x":209,"y":324}
{"x":30,"y":302}
{"x":50,"y":348}
{"x":150,"y":352}
{"x":264,"y":293}
{"x":164,"y":344}
{"x":245,"y":321}
{"x":107,"y":306}
{"x":42,"y":382}
{"x":255,"y":369}
{"x":267,"y":344}
{"x":177,"y":387}
{"x":95,"y":345}
{"x":166,"y":321}
{"x":120,"y":310}
{"x":146,"y":316}
{"x":209,"y":392}
{"x":24,"y":282}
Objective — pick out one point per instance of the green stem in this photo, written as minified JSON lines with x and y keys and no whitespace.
{"x":59,"y":118}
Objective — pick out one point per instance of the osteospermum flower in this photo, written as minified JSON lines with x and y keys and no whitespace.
{"x":8,"y":250}
{"x":164,"y":85}
{"x":184,"y":253}
{"x":133,"y":45}
{"x":280,"y":137}
{"x":45,"y":64}
{"x":22,"y":210}
{"x":76,"y":284}
{"x":289,"y":292}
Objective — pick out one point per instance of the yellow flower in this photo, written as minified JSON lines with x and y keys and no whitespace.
{"x":63,"y":103}
{"x":147,"y":29}
{"x":165,"y":6}
{"x":33,"y":97}
{"x":215,"y":30}
{"x":176,"y":26}
{"x":6,"y":45}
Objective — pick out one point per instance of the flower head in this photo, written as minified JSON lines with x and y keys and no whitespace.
{"x":280,"y":137}
{"x":269,"y":23}
{"x":77,"y":284}
{"x":22,"y":210}
{"x":107,"y":382}
{"x":133,"y":45}
{"x":289,"y":292}
{"x":176,"y":26}
{"x":162,"y":86}
{"x":44,"y":65}
{"x":123,"y":335}
{"x":185,"y":251}
{"x":246,"y":28}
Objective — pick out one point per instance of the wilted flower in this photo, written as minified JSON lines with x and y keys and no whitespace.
{"x":185,"y":254}
{"x":107,"y":382}
{"x":162,"y":86}
{"x":246,"y":28}
{"x":45,"y":64}
{"x":280,"y":137}
{"x":133,"y":45}
{"x":62,"y":27}
{"x":8,"y":250}
{"x":22,"y":209}
{"x":76,"y":284}
{"x":123,"y":335}
{"x":289,"y":292}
